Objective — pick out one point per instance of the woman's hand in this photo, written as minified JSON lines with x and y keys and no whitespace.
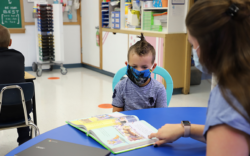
{"x":168,"y":133}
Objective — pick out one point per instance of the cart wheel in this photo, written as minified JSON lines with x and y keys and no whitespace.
{"x":39,"y":72}
{"x":64,"y":71}
{"x":34,"y":67}
{"x":51,"y":67}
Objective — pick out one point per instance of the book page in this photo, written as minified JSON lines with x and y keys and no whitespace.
{"x":104,"y":121}
{"x":80,"y":123}
{"x":111,"y":122}
{"x":126,"y":136}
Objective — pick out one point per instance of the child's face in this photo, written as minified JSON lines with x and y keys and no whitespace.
{"x":141,"y":63}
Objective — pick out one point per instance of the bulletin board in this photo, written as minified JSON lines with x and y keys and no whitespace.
{"x":12,"y":16}
{"x":29,"y":20}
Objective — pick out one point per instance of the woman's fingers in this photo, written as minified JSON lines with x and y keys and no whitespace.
{"x":160,"y":142}
{"x":168,"y":133}
{"x":152,"y":135}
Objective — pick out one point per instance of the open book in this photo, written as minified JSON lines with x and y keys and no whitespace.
{"x":117,"y":132}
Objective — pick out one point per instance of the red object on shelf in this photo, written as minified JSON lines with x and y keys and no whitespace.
{"x":165,"y":13}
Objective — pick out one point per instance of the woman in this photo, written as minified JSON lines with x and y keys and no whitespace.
{"x":219,"y":31}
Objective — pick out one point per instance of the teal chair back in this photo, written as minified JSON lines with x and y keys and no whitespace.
{"x":158,"y":71}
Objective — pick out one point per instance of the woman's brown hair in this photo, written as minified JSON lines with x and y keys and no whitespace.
{"x":222,"y":29}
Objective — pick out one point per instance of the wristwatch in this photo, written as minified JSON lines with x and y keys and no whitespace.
{"x":187,"y":128}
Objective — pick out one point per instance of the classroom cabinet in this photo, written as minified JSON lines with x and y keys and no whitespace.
{"x":173,"y":52}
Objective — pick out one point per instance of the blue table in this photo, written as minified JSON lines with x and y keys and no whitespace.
{"x":156,"y":117}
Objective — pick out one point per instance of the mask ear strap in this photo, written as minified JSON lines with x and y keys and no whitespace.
{"x":152,"y":67}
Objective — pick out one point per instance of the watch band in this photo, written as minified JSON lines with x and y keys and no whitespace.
{"x":187,"y":128}
{"x":186,"y":131}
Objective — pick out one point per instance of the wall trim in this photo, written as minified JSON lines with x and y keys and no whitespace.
{"x":98,"y":70}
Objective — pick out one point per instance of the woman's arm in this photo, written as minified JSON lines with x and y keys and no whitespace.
{"x":197,"y":132}
{"x":171,"y":132}
{"x":225,"y":140}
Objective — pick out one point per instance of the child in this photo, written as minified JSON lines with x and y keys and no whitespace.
{"x":12,"y":71}
{"x":139,"y":91}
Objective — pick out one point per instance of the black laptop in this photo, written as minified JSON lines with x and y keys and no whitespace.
{"x":51,"y":147}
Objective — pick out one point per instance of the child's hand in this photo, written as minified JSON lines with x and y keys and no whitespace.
{"x":168,"y":133}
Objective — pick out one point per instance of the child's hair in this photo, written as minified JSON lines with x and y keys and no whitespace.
{"x":221,"y":28}
{"x":142,"y":48}
{"x":4,"y":37}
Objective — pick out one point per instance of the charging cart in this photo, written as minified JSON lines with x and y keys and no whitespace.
{"x":49,"y":39}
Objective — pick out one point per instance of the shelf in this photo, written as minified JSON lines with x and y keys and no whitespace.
{"x":137,"y":32}
{"x":163,"y":8}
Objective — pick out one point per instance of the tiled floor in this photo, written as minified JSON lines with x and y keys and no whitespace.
{"x":77,"y":95}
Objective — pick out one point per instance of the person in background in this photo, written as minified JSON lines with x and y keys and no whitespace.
{"x":12,"y":71}
{"x":139,"y":90}
{"x":220,"y":35}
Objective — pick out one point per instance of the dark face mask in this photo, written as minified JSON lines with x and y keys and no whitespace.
{"x":138,"y":77}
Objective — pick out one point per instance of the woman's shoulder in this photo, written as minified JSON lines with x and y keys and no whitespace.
{"x":218,"y":102}
{"x":221,"y":112}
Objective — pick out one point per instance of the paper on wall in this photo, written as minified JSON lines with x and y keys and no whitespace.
{"x":178,"y":10}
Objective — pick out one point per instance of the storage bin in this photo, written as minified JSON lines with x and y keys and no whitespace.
{"x":105,"y":14}
{"x":105,"y":11}
{"x":115,"y":14}
{"x":116,"y":25}
{"x":115,"y":20}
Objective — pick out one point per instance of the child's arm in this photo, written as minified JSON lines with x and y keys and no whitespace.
{"x":116,"y":109}
{"x":161,"y":100}
{"x":118,"y":101}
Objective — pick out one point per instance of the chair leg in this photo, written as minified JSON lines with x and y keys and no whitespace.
{"x":34,"y":128}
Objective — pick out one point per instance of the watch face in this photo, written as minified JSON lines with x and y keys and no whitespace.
{"x":186,"y":123}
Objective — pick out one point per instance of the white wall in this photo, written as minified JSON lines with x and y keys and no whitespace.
{"x":72,"y":41}
{"x":115,"y":50}
{"x":26,"y":44}
{"x":90,"y":19}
